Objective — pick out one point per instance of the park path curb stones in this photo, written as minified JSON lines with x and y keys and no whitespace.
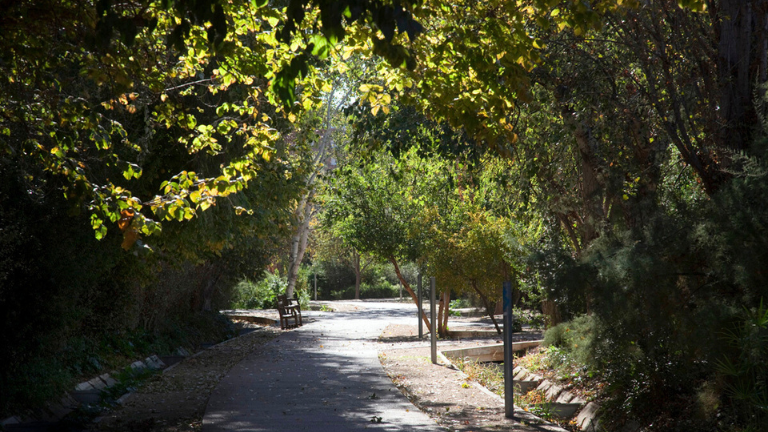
{"x":565,"y":402}
{"x":519,"y":413}
{"x":84,"y":393}
{"x":587,"y":418}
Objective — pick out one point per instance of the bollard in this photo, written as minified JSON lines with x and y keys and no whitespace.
{"x":509,"y":385}
{"x":315,"y":286}
{"x":419,"y":308}
{"x":433,"y":321}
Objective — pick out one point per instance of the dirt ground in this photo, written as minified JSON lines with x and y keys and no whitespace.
{"x":442,"y":392}
{"x":175,"y":400}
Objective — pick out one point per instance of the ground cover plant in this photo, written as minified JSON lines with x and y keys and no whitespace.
{"x":489,"y":375}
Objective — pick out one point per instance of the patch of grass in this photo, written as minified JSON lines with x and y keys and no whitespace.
{"x":534,"y":361}
{"x":489,"y":375}
{"x":536,"y":402}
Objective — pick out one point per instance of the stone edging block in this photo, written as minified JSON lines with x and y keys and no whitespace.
{"x":587,"y":418}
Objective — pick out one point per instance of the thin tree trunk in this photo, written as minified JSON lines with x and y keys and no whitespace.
{"x":734,"y":62}
{"x":212,"y":277}
{"x":358,"y":273}
{"x":550,"y":310}
{"x":591,"y":187}
{"x":446,"y":311}
{"x":298,"y":247}
{"x":569,"y":229}
{"x":487,"y":305}
{"x":410,"y":291}
{"x":305,"y":208}
{"x":440,"y":309}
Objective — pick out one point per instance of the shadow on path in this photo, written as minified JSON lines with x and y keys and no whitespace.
{"x":325,"y":376}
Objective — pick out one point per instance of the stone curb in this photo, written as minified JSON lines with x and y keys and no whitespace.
{"x":182,"y":352}
{"x":85,"y":392}
{"x":587,"y":418}
{"x":520,"y":414}
{"x":55,"y":411}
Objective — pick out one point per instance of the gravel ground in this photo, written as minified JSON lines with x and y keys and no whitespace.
{"x":176,"y":399}
{"x":444,"y":393}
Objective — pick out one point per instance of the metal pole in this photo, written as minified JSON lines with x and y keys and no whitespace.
{"x":433,"y":333}
{"x":315,"y":286}
{"x":509,"y":385}
{"x":418,"y":305}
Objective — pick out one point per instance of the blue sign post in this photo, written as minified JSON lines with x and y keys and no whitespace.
{"x":509,"y":386}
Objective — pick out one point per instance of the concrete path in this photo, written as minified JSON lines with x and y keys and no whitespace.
{"x":325,"y":376}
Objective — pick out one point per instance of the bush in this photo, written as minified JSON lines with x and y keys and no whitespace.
{"x":744,"y":364}
{"x":302,"y":296}
{"x":368,"y":291}
{"x":379,"y":290}
{"x":576,"y":337}
{"x":663,"y":292}
{"x":333,"y":277}
{"x":259,"y":295}
{"x":461,"y":303}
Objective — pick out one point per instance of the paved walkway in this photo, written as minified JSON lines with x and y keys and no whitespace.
{"x":325,"y":376}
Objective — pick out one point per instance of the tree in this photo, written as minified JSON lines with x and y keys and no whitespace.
{"x":66,"y":107}
{"x":473,"y":256}
{"x":329,"y":246}
{"x":327,"y":147}
{"x":373,"y":207}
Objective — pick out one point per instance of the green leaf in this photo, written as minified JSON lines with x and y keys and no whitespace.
{"x":320,"y":46}
{"x":128,"y":172}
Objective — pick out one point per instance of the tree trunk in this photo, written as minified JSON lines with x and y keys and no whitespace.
{"x":410,"y":291}
{"x":591,"y":187}
{"x":211,"y":276}
{"x":446,"y":312}
{"x":299,"y":245}
{"x":358,"y":273}
{"x":734,"y":62}
{"x":306,"y":206}
{"x":487,"y":304}
{"x":440,"y":308}
{"x":550,"y":310}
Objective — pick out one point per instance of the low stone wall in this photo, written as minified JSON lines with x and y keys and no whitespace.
{"x":90,"y":392}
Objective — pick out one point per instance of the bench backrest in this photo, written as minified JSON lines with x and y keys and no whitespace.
{"x":285,"y":301}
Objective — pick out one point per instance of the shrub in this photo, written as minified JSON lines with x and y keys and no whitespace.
{"x":461,"y":303}
{"x":302,"y":296}
{"x":744,"y":364}
{"x":576,"y":337}
{"x":379,"y":290}
{"x":368,"y":291}
{"x":259,"y":295}
{"x":555,"y":336}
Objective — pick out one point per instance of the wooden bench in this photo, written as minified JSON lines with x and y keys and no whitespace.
{"x":288,"y":311}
